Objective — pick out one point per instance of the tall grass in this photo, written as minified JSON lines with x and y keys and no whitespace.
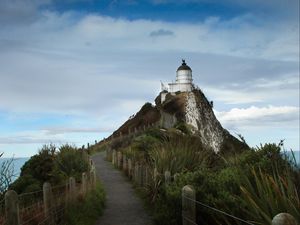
{"x":267,"y":195}
{"x":179,"y":153}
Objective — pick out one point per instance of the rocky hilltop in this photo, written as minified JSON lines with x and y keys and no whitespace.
{"x":182,"y":105}
{"x":190,"y":109}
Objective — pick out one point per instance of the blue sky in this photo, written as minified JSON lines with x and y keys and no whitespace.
{"x":73,"y":71}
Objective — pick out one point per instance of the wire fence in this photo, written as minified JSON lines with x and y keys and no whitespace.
{"x":216,"y":210}
{"x":47,"y":206}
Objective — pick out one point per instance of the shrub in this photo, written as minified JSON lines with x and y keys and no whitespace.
{"x":37,"y":170}
{"x":51,"y":166}
{"x":71,"y":162}
{"x":254,"y":185}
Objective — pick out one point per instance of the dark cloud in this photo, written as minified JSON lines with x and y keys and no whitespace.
{"x":161,"y":32}
{"x":15,"y":12}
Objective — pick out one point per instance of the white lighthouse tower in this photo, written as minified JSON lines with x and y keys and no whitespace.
{"x":184,"y":80}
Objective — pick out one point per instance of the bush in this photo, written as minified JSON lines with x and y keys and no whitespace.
{"x":71,"y":162}
{"x":254,"y":185}
{"x":52,"y":166}
{"x":37,"y":170}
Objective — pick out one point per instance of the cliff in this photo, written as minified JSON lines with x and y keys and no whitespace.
{"x":191,"y":109}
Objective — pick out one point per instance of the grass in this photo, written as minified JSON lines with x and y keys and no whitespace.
{"x":87,"y":210}
{"x":179,"y":153}
{"x":269,"y":195}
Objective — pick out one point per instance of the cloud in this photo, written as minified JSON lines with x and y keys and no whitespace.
{"x":63,"y":73}
{"x":29,"y":140}
{"x":257,"y":90}
{"x":14,"y":12}
{"x":103,"y":69}
{"x":267,"y":117}
{"x":64,"y":130}
{"x":161,"y":32}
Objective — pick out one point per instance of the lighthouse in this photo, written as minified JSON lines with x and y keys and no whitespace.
{"x":183,"y":82}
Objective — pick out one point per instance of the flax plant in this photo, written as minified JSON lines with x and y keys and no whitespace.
{"x":267,"y":195}
{"x":179,"y":153}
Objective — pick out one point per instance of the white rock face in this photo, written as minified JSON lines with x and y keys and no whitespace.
{"x":192,"y":114}
{"x":200,"y":116}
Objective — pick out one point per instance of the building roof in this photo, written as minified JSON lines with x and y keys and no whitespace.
{"x":184,"y":66}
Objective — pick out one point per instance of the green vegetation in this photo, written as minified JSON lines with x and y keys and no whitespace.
{"x":53,"y":165}
{"x":254,"y":184}
{"x":86,"y":210}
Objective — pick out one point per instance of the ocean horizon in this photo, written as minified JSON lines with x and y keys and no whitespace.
{"x":17,"y":165}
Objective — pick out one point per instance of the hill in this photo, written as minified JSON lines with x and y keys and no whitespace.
{"x":189,"y":112}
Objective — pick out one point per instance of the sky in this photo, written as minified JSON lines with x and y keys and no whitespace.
{"x":73,"y":71}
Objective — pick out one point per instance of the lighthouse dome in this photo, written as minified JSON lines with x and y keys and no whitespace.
{"x":184,"y":66}
{"x":184,"y":74}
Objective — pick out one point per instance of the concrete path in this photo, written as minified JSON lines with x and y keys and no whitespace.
{"x":123,"y":206}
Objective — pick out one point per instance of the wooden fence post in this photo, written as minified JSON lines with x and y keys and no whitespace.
{"x":12,"y":208}
{"x":176,"y":175}
{"x":188,"y":205}
{"x":124,"y":166}
{"x":83,"y":184}
{"x":284,"y":219}
{"x":142,"y":175}
{"x":129,"y":168}
{"x":118,"y":159}
{"x":107,"y":154}
{"x":136,"y":172}
{"x":167,"y":177}
{"x":147,"y":176}
{"x":72,"y":186}
{"x":91,"y":162}
{"x":48,"y":202}
{"x":114,"y":157}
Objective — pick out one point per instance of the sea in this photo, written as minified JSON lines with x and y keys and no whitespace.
{"x":16,"y":165}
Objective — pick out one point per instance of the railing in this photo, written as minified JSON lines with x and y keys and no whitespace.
{"x":47,"y":206}
{"x":140,"y":175}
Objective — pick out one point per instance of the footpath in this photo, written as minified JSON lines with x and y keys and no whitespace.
{"x":123,"y":206}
